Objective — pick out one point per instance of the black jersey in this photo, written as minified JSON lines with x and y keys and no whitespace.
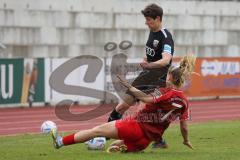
{"x":157,"y":43}
{"x":148,"y":80}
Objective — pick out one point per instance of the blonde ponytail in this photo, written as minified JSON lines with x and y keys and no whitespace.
{"x":187,"y":65}
{"x":181,"y":73}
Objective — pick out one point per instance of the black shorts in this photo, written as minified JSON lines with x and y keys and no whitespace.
{"x":148,"y":80}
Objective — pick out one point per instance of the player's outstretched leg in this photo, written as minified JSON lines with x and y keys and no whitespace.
{"x":105,"y":130}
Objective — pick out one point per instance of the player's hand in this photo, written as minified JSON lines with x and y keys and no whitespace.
{"x":188,"y":144}
{"x":123,"y":82}
{"x":144,"y":60}
{"x":144,"y":65}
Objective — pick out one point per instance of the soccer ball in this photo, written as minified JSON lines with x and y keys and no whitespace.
{"x":97,"y":143}
{"x":47,"y":126}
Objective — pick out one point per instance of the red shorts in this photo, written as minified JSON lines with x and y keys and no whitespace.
{"x":131,"y":133}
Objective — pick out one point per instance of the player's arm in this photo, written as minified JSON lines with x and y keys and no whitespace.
{"x":145,"y":59}
{"x":166,"y":55}
{"x":184,"y":131}
{"x":166,"y":58}
{"x":141,"y":95}
{"x":144,"y":63}
{"x":136,"y":92}
{"x":146,"y":98}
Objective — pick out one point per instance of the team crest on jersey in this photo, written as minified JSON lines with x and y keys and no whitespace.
{"x":155,"y":43}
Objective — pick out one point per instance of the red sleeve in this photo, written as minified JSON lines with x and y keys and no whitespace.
{"x":185,"y":115}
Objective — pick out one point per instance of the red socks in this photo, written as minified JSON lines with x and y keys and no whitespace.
{"x":68,"y":140}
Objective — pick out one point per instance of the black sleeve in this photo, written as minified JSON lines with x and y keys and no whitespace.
{"x":168,"y":45}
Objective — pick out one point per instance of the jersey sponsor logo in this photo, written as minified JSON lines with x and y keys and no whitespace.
{"x":158,"y":117}
{"x":150,"y":51}
{"x":155,"y":43}
{"x":167,"y":48}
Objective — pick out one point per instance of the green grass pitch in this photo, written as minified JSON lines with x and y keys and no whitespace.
{"x":212,"y":141}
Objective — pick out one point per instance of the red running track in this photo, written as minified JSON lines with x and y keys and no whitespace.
{"x":28,"y":120}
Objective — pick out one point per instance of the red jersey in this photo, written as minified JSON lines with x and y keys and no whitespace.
{"x":169,"y":104}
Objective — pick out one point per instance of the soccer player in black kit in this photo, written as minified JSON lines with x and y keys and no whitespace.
{"x":159,"y":51}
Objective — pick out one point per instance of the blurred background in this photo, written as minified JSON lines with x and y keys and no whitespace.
{"x":36,"y":37}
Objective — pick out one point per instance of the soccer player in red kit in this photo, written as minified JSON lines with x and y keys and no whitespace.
{"x":135,"y":133}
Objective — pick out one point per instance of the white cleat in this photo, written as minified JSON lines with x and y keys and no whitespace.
{"x":57,"y":139}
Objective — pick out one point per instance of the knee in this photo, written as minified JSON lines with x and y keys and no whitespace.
{"x":122,"y":107}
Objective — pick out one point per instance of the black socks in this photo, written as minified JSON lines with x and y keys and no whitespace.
{"x":114,"y":116}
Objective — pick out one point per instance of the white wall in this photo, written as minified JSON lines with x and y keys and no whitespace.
{"x":67,"y":28}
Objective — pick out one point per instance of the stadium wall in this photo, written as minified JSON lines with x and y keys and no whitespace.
{"x":68,"y":28}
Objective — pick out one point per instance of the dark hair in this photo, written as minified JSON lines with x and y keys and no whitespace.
{"x":153,"y":11}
